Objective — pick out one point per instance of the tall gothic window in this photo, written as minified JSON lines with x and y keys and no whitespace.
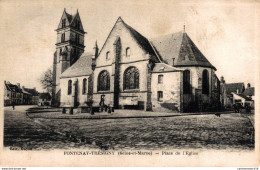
{"x":186,"y":82}
{"x":131,"y":78}
{"x":84,"y":86}
{"x":103,"y":81}
{"x":69,"y":87}
{"x":63,"y":37}
{"x":63,"y":23}
{"x":205,"y":82}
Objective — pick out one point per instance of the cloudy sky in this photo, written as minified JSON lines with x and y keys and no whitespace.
{"x":226,"y":32}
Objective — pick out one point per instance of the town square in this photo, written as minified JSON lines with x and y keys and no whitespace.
{"x":130,"y":78}
{"x":231,"y":131}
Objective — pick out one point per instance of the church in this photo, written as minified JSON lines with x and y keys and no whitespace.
{"x":163,"y":74}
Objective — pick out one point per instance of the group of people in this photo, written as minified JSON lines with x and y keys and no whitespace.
{"x":238,"y":107}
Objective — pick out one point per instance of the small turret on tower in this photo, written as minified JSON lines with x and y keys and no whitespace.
{"x":94,"y":56}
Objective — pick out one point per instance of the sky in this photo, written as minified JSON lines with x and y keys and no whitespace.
{"x":226,"y":32}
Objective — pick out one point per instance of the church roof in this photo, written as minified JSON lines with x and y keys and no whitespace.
{"x":82,"y":67}
{"x":162,"y":68}
{"x":180,"y":47}
{"x":139,"y":38}
{"x":71,"y":21}
{"x":177,"y":45}
{"x":70,"y":17}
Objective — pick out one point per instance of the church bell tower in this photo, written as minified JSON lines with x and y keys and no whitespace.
{"x":69,"y":47}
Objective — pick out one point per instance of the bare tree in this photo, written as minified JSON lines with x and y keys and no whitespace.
{"x":47,"y":80}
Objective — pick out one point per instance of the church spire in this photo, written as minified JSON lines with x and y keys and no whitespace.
{"x":184,"y":28}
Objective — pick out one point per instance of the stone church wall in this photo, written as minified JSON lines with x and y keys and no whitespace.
{"x":68,"y":99}
{"x":137,"y":58}
{"x":189,"y":100}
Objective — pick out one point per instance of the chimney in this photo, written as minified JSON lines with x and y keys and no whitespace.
{"x":248,"y":85}
{"x":18,"y":84}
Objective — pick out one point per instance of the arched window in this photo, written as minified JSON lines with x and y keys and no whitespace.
{"x":69,"y":87}
{"x":128,"y":51}
{"x":84,"y":86}
{"x":63,"y":37}
{"x":103,"y":81}
{"x":205,"y":82}
{"x":108,"y":55}
{"x":186,"y":82}
{"x":131,"y":78}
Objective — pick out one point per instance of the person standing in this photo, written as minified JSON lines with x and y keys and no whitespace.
{"x":13,"y":104}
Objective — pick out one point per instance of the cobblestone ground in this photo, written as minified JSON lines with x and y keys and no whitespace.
{"x":230,"y":131}
{"x":22,"y":132}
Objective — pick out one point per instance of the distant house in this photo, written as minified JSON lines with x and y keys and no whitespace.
{"x":44,"y":99}
{"x":242,"y":99}
{"x":34,"y":95}
{"x":13,"y":94}
{"x":27,"y":97}
{"x":250,"y":92}
{"x":232,"y":93}
{"x":227,"y":92}
{"x":7,"y":95}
